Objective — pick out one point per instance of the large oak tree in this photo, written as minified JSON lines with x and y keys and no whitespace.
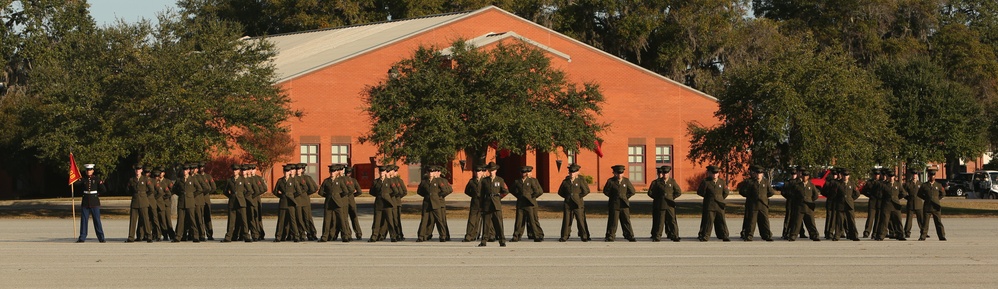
{"x":183,"y":90}
{"x":430,"y":106}
{"x":802,"y":107}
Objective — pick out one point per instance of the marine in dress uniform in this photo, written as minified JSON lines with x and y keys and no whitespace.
{"x":399,"y":191}
{"x":713,"y":190}
{"x":380,"y":187}
{"x":91,"y":187}
{"x":200,"y":187}
{"x":846,"y":195}
{"x":346,"y":187}
{"x":235,"y":190}
{"x":379,"y":183}
{"x":159,"y":226}
{"x":913,"y":204}
{"x":787,"y":205}
{"x":312,"y":187}
{"x":473,"y":189}
{"x":619,"y":191}
{"x":890,"y":208}
{"x":352,"y":197}
{"x":931,"y":192}
{"x":208,"y":184}
{"x":165,"y":205}
{"x":249,"y":189}
{"x":185,"y":189}
{"x":493,"y":190}
{"x":334,"y":217}
{"x":802,"y":194}
{"x":574,"y":189}
{"x":664,"y":191}
{"x":137,"y":187}
{"x":260,"y":185}
{"x":757,"y":191}
{"x":872,"y":190}
{"x":432,"y":192}
{"x":829,"y":191}
{"x":445,"y":190}
{"x":155,"y":195}
{"x":385,"y":207}
{"x":140,"y":229}
{"x":287,"y":217}
{"x":307,"y":187}
{"x":526,"y":190}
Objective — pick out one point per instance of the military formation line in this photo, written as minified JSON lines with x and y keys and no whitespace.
{"x":152,"y":194}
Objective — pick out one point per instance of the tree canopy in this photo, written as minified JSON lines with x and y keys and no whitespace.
{"x":188,"y":87}
{"x":799,"y":108}
{"x":936,"y":118}
{"x":430,"y":106}
{"x":179,"y":91}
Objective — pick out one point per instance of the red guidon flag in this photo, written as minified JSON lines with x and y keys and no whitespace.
{"x":599,"y":148}
{"x":74,"y":172}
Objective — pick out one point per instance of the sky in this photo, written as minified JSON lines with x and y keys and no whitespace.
{"x":106,"y":12}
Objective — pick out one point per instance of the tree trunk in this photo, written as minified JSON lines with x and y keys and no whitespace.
{"x":476,"y":156}
{"x":952,"y":166}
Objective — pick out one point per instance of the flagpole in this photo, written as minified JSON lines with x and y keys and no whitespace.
{"x":74,"y":175}
{"x":598,"y":189}
{"x":72,"y":204}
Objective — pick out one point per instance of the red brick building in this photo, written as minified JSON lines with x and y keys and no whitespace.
{"x":325,"y":72}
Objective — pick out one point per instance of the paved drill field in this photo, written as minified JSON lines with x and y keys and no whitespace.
{"x":39,"y":253}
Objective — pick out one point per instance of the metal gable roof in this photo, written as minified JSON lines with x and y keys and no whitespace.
{"x":493,"y":37}
{"x":303,"y":52}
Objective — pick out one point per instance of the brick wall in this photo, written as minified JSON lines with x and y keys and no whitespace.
{"x":639,"y":104}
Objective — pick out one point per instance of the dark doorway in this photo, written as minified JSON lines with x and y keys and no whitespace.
{"x":542,"y":171}
{"x":364,"y":173}
{"x":449,"y":167}
{"x":509,"y":167}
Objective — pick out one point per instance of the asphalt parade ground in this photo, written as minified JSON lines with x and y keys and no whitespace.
{"x":40,"y":253}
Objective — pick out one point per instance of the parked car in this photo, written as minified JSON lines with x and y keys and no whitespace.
{"x":960,"y":185}
{"x":818,"y":180}
{"x":944,"y":183}
{"x":778,"y":181}
{"x":986,"y":184}
{"x":778,"y":185}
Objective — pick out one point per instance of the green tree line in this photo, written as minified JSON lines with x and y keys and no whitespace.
{"x":853,"y":83}
{"x":815,"y":82}
{"x":177,"y":91}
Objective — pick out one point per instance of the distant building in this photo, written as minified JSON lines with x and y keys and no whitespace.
{"x":325,"y":72}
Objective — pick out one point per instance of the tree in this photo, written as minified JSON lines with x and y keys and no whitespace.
{"x":431,"y":106}
{"x":966,"y":60}
{"x":936,"y":118}
{"x":33,"y":31}
{"x":866,"y":29}
{"x":262,"y":17}
{"x":621,"y":28}
{"x":959,"y":50}
{"x":699,"y":39}
{"x":981,"y":16}
{"x":265,"y":17}
{"x":802,"y":107}
{"x":178,"y":92}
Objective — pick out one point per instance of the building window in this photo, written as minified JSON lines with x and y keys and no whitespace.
{"x":636,"y":163}
{"x":340,"y":153}
{"x":310,"y":156}
{"x":570,"y":157}
{"x":415,"y":172}
{"x":663,"y":155}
